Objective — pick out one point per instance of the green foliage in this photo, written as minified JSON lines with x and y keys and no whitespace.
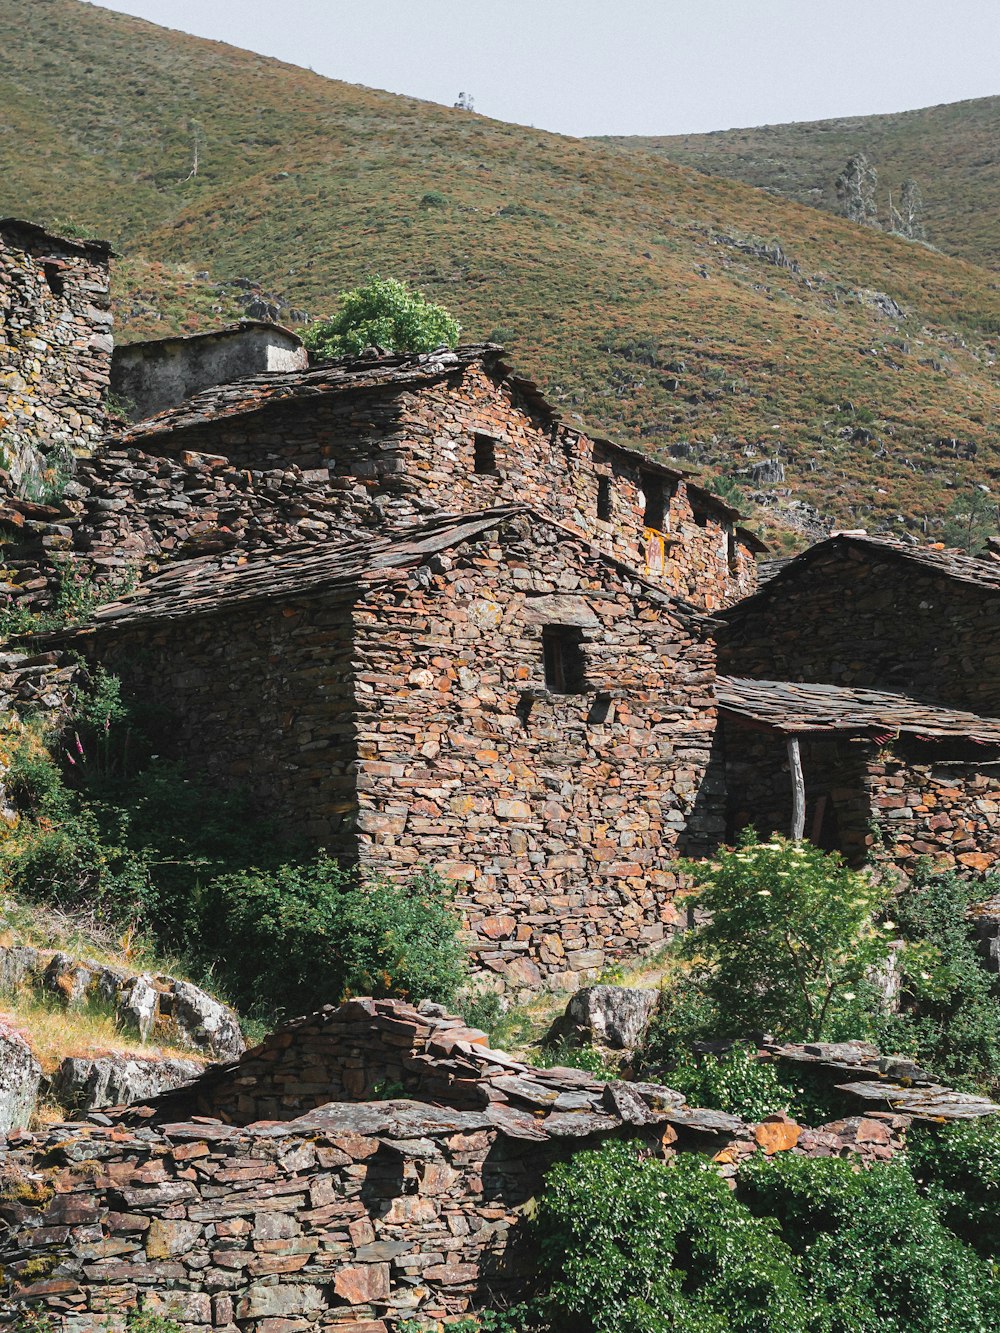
{"x":434,"y":199}
{"x":384,"y":313}
{"x":787,"y":938}
{"x":971,"y":518}
{"x":565,"y":1053}
{"x":144,"y":1321}
{"x":950,"y":1017}
{"x":629,"y":1245}
{"x":312,"y":933}
{"x":872,"y":1251}
{"x":958,"y":1167}
{"x":736,"y":1082}
{"x":728,"y":489}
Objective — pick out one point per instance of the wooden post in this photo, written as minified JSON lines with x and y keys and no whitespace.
{"x":798,"y":789}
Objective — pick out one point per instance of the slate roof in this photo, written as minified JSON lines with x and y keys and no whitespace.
{"x":939,"y":561}
{"x":792,"y":709}
{"x":386,"y":371}
{"x":127,"y":350}
{"x":216,"y":583}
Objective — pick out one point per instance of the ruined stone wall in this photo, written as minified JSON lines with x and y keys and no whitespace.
{"x":759,"y":789}
{"x":55,"y":345}
{"x":937,"y":802}
{"x":882,"y":624}
{"x":559,"y":814}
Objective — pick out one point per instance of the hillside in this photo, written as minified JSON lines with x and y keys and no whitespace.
{"x":950,"y":150}
{"x":709,"y":320}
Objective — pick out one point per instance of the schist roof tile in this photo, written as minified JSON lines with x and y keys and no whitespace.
{"x":795,"y":708}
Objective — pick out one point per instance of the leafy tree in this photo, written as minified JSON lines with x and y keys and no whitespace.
{"x":728,"y":489}
{"x":382,"y":313}
{"x":856,"y":186}
{"x":788,"y":937}
{"x":972,"y":517}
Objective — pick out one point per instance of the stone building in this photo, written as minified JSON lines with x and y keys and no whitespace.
{"x":55,"y":346}
{"x":489,"y":695}
{"x":885,"y":659}
{"x":370,"y":443}
{"x":149,"y":377}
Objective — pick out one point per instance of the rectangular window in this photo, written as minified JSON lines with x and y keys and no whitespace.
{"x":486,"y":455}
{"x":562,"y":649}
{"x":732,"y":551}
{"x":605,"y":508}
{"x":700,"y":517}
{"x":655,"y":512}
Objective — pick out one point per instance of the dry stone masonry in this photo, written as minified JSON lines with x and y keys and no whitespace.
{"x":287,"y":1204}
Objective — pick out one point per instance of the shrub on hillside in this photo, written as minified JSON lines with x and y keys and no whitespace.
{"x":384,"y":313}
{"x":306,"y":934}
{"x":873,"y":1253}
{"x":949,"y":1017}
{"x":958,"y":1167}
{"x":787,"y":937}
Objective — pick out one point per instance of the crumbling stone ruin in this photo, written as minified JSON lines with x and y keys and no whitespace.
{"x":55,"y":349}
{"x":270,"y":1195}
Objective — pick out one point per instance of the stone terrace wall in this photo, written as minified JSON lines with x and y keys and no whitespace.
{"x":856,"y":620}
{"x":559,"y":814}
{"x":353,"y":1216}
{"x":55,"y":339}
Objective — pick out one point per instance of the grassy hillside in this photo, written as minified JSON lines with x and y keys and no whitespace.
{"x":643,"y":296}
{"x":953,"y":151}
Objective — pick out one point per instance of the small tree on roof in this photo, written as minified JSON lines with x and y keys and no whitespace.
{"x":385,"y":313}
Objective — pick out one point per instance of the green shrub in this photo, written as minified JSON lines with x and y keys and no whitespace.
{"x":736,"y":1082}
{"x":382,"y":313}
{"x":950,"y":1018}
{"x":873,"y":1253}
{"x":958,"y":1167}
{"x":312,"y":933}
{"x":787,"y":937}
{"x":630,"y":1245}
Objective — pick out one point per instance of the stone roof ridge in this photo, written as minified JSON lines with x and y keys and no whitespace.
{"x":807,"y":707}
{"x":234,"y":326}
{"x":212,"y":583}
{"x":95,"y":248}
{"x":946,"y":562}
{"x":253,"y":393}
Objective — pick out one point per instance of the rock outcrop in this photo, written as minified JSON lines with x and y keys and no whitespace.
{"x":20,"y":1079}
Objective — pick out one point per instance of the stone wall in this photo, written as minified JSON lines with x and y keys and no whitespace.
{"x":404,"y":451}
{"x":417,"y":729}
{"x":854,"y":619}
{"x":55,"y":346}
{"x":149,"y":377}
{"x":944,"y":806}
{"x":353,"y":1215}
{"x":898,"y":802}
{"x":759,"y":789}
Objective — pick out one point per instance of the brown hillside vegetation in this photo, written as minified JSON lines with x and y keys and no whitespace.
{"x":645,"y":297}
{"x":952,"y":151}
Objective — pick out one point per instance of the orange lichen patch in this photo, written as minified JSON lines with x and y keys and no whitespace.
{"x":777,"y":1133}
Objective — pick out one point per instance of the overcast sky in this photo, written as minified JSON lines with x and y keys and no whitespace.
{"x":626,"y":66}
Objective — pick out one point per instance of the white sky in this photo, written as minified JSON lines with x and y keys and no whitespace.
{"x":626,"y":66}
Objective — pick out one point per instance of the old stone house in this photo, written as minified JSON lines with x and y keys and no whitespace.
{"x":488,"y":694}
{"x":55,"y":344}
{"x":377,"y":442}
{"x":885,"y":659}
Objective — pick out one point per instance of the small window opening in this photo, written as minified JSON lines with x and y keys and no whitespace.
{"x":732,"y":551}
{"x":55,"y":279}
{"x":605,"y":507}
{"x":486,"y":455}
{"x":655,"y":513}
{"x":700,"y":517}
{"x":562,"y":649}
